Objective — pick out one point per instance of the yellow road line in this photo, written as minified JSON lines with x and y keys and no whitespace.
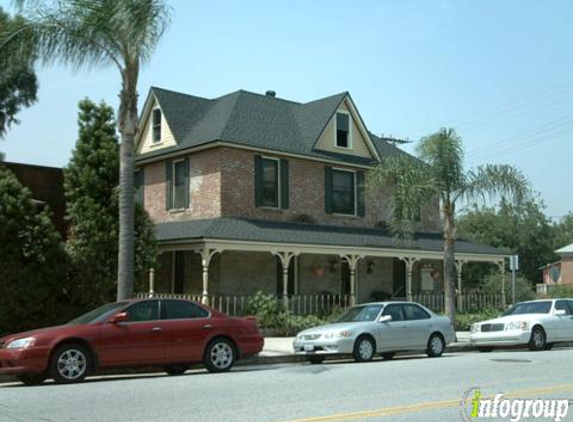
{"x":423,"y":406}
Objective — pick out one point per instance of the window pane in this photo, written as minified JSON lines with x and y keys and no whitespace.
{"x":395,"y":311}
{"x":179,"y":185}
{"x":343,"y":192}
{"x":138,"y":186}
{"x":143,"y":311}
{"x":156,"y":125}
{"x":177,"y":309}
{"x":270,"y":183}
{"x":414,"y":312}
{"x":342,"y":126}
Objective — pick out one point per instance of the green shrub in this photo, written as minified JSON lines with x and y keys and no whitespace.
{"x":464,"y":320}
{"x":523,"y":287}
{"x":560,"y":291}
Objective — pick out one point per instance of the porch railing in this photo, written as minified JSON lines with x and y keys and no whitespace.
{"x":472,"y":301}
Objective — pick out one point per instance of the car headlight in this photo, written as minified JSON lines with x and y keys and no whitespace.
{"x":21,"y":343}
{"x":517,"y":325}
{"x":475,"y":328}
{"x":344,"y":334}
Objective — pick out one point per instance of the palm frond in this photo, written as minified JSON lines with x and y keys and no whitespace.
{"x":494,"y":181}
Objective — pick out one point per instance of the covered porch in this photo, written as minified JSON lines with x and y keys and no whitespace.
{"x":310,"y":268}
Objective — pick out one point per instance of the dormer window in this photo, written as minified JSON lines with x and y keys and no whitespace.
{"x":156,"y":125}
{"x":342,"y":130}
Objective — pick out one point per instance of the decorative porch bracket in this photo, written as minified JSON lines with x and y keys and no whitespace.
{"x":501,"y":265}
{"x":285,"y":258}
{"x":206,"y":254}
{"x":409,"y":261}
{"x":352,"y":263}
{"x":459,"y":267}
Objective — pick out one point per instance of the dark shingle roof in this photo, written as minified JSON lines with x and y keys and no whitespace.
{"x":287,"y":232}
{"x":254,"y":120}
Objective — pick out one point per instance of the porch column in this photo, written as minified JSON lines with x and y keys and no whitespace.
{"x":206,"y":255}
{"x":352,"y":263}
{"x":409,"y":261}
{"x":501,"y":265}
{"x":459,"y":265}
{"x":151,"y":282}
{"x":285,"y":258}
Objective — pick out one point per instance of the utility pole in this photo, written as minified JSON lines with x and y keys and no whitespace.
{"x":513,"y":266}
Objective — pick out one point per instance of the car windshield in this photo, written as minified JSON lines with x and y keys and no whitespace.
{"x":529,"y":308}
{"x":360,"y":313}
{"x":98,"y":314}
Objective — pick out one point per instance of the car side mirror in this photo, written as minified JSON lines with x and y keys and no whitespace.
{"x":560,"y":312}
{"x":385,"y":318}
{"x":119,"y":317}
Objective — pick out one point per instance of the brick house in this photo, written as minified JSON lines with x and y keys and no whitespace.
{"x":251,"y":192}
{"x":560,"y":272}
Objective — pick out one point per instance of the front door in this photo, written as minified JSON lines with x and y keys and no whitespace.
{"x":418,"y":326}
{"x":399,"y":278}
{"x":138,"y":340}
{"x":391,"y":334}
{"x":564,"y":324}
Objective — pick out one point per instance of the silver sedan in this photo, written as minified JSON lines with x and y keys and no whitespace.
{"x":382,"y":327}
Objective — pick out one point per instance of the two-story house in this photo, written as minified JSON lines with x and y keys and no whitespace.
{"x":252,"y":192}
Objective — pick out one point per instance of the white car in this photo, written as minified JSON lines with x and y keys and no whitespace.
{"x":537,"y":323}
{"x":382,"y":327}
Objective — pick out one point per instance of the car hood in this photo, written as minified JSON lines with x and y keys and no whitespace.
{"x":512,"y":318}
{"x":38,"y":332}
{"x":334,"y":327}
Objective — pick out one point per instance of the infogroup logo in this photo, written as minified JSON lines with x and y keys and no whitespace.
{"x":474,"y":406}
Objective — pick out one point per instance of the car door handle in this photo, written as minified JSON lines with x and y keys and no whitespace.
{"x":156,"y":329}
{"x":207,"y":326}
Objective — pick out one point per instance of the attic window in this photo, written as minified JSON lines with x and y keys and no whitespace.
{"x":342,"y":130}
{"x":156,"y":125}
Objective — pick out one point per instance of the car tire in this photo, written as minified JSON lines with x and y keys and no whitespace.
{"x":176,"y":369}
{"x":484,"y":349}
{"x":388,"y":355}
{"x":538,"y":339}
{"x":364,"y":349}
{"x":436,"y":346}
{"x":315,"y":360}
{"x":32,"y":379}
{"x":70,"y":363}
{"x":219,"y":355}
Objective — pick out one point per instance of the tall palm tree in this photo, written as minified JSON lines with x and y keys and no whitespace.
{"x":438,"y":171}
{"x":87,"y":33}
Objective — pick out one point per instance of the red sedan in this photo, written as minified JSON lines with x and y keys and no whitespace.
{"x":167,"y":333}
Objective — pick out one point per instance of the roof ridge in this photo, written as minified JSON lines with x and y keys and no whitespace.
{"x":158,"y":88}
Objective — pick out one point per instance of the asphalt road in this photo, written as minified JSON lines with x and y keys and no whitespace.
{"x":413,"y":388}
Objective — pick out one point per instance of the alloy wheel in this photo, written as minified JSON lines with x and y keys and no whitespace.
{"x":72,"y":364}
{"x":221,"y":355}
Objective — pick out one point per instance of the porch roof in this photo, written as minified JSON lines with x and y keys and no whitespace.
{"x":276,"y":232}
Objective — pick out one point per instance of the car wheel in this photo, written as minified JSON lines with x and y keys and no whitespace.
{"x":538,"y":339}
{"x":70,"y":363}
{"x":220,"y":355}
{"x":35,"y":379}
{"x":388,"y":355}
{"x":484,"y":349}
{"x":315,"y":360}
{"x":436,"y":346}
{"x":176,"y":369}
{"x":364,"y":349}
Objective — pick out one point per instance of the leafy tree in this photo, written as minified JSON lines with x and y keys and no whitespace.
{"x":439,"y":171}
{"x":90,"y":183}
{"x":523,"y":229}
{"x":86,"y":33}
{"x":564,"y":231}
{"x":18,"y":83}
{"x":32,"y":261}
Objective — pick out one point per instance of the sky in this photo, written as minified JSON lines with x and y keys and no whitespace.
{"x":499,"y":72}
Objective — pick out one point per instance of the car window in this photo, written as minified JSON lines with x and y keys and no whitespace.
{"x":395,"y":311}
{"x":543,"y":307}
{"x":564,"y":305}
{"x":179,"y":309}
{"x":143,"y":311}
{"x":360,"y":313}
{"x":414,"y":312}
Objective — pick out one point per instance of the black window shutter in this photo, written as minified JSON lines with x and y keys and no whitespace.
{"x":187,"y":183}
{"x":169,"y":185}
{"x":328,"y":190}
{"x":284,"y":184}
{"x":360,"y":192}
{"x":140,"y":183}
{"x":258,"y":181}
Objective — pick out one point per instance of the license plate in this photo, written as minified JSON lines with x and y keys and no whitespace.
{"x":309,"y":347}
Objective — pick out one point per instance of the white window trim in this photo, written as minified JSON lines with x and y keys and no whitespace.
{"x":174,"y":173}
{"x":355,"y":214}
{"x":160,"y":140}
{"x":279,"y":183}
{"x":350,"y":140}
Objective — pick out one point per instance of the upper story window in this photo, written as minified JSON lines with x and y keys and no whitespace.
{"x":344,"y":192}
{"x":342,"y":130}
{"x":271,"y":182}
{"x":178,"y":184}
{"x":139,"y":185}
{"x":156,"y":125}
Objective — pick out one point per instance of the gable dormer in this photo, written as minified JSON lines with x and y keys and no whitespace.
{"x":345,"y":133}
{"x":155,"y":131}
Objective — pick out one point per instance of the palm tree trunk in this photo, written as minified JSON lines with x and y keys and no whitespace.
{"x":449,"y":261}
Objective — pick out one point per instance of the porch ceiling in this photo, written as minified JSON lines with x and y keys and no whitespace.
{"x":246,"y":234}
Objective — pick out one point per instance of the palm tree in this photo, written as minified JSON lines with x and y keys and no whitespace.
{"x":438,"y":171}
{"x":88,"y":33}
